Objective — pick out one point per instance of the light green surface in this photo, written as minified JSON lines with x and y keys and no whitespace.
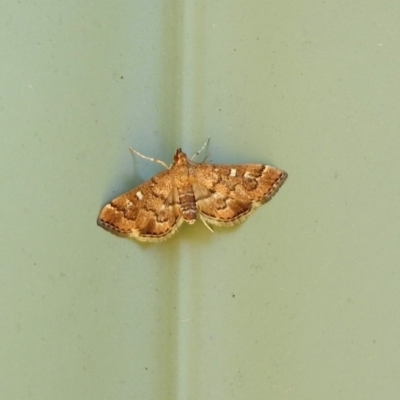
{"x":301,"y":302}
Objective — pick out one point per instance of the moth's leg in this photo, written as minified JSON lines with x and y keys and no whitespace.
{"x":198,"y":152}
{"x":149,"y":158}
{"x":205,"y":223}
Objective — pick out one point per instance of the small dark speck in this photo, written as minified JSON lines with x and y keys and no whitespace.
{"x":233,"y":295}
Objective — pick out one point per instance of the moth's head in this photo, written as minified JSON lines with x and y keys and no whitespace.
{"x":180,"y":157}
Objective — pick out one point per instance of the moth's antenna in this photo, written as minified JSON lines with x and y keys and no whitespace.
{"x":155,"y":160}
{"x":204,"y":146}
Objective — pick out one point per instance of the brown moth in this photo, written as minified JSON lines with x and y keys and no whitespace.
{"x":222,"y":195}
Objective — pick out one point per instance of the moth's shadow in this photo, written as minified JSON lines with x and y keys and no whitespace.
{"x":198,"y":232}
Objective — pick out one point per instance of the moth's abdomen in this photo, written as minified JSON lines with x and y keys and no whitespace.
{"x":188,"y":205}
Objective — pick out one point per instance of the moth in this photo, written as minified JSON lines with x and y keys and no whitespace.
{"x":222,"y":195}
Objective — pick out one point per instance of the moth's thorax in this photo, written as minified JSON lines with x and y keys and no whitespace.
{"x":180,"y":169}
{"x":180,"y":158}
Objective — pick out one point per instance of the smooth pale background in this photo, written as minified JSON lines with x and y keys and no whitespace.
{"x":300,"y":302}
